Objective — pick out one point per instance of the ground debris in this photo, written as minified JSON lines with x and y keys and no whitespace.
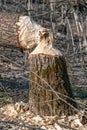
{"x":14,"y":116}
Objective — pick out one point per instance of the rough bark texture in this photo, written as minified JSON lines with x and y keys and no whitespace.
{"x":43,"y":99}
{"x":8,"y":32}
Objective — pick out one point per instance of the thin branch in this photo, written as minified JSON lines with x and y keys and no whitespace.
{"x":26,"y":72}
{"x":21,"y":125}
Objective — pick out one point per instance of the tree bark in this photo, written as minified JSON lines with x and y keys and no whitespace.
{"x":49,"y":86}
{"x":8,"y":33}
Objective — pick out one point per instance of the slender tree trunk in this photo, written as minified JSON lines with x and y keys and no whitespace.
{"x":8,"y":33}
{"x":49,"y":85}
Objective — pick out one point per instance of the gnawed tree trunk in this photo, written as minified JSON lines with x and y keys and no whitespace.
{"x":49,"y":82}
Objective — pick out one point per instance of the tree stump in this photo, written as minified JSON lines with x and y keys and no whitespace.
{"x":49,"y":86}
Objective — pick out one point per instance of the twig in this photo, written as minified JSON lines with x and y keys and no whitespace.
{"x":26,"y":72}
{"x":21,"y":125}
{"x":67,"y":127}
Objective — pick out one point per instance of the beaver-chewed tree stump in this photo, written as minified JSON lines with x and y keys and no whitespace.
{"x":49,"y":85}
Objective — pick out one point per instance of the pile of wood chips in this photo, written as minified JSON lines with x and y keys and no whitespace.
{"x":18,"y":116}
